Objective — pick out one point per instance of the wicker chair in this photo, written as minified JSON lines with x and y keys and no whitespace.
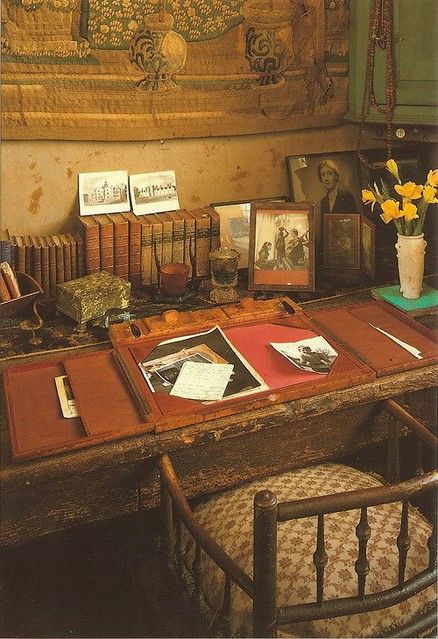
{"x":278,"y":557}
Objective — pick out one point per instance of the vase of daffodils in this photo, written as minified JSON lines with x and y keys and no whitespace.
{"x":407,"y":209}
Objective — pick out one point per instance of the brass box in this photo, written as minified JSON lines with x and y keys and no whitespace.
{"x":89,"y":297}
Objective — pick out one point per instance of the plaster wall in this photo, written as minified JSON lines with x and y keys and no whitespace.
{"x":39,"y":178}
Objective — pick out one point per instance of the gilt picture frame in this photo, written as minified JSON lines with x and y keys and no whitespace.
{"x":281,"y":247}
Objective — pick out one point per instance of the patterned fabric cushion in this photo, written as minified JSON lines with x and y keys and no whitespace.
{"x":228,"y":517}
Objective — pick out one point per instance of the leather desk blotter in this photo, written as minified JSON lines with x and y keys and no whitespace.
{"x":350,"y":325}
{"x":114,"y":401}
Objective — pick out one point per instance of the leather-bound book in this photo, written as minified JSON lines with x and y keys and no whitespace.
{"x":134,"y":244}
{"x":167,"y":250}
{"x":45,"y":270}
{"x":59,"y":258}
{"x":52,"y":265}
{"x":146,"y":249}
{"x":157,"y":246}
{"x":20,"y":253}
{"x":80,"y":252}
{"x":5,"y":295}
{"x":67,"y":256}
{"x":121,"y":244}
{"x":10,"y":280}
{"x":74,"y":255}
{"x":106,"y":235}
{"x":215,"y":228}
{"x":36,"y":259}
{"x":90,"y":232}
{"x":178,"y":236}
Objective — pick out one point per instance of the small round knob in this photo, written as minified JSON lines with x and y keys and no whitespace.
{"x":171,"y":317}
{"x":400,"y":133}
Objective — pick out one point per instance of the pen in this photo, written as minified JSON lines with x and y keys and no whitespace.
{"x":411,"y":349}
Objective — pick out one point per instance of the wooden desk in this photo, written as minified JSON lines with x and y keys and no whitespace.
{"x":118,"y":478}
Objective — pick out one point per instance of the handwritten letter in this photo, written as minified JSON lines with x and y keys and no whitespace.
{"x":206,"y":382}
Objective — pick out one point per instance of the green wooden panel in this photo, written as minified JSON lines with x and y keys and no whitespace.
{"x":415,"y":58}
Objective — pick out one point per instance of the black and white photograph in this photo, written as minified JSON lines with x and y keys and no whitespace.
{"x":342,"y":240}
{"x":313,"y":354}
{"x":105,"y":192}
{"x":282,"y":247}
{"x":162,"y":365}
{"x":234,"y":225}
{"x":153,"y":192}
{"x":330,"y":181}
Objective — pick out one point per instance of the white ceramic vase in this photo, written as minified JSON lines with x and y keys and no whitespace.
{"x":410,"y":255}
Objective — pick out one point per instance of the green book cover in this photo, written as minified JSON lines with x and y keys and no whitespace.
{"x":427,"y":301}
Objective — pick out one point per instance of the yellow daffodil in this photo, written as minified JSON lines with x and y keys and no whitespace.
{"x":429,"y":194}
{"x":391,"y":211}
{"x":409,"y":211}
{"x":392,"y":167}
{"x":368,"y":197}
{"x":432,"y":178}
{"x":409,"y":190}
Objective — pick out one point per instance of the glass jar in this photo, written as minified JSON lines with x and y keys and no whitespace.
{"x":224,"y":261}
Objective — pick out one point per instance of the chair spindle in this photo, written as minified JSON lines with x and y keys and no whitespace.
{"x":403,"y":542}
{"x":362,"y":566}
{"x":320,"y":560}
{"x":223,"y":623}
{"x":167,"y":540}
{"x":419,"y":467}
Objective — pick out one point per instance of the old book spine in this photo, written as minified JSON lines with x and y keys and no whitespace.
{"x":189,"y":239}
{"x":67,"y":256}
{"x":157,"y":246}
{"x":215,"y":228}
{"x":134,"y":242}
{"x":80,"y":252}
{"x":5,"y":247}
{"x":202,"y":241}
{"x":20,"y":252}
{"x":37,"y":266}
{"x":5,"y":295}
{"x":121,"y":244}
{"x":28,"y":255}
{"x":89,"y":229}
{"x":59,"y":258}
{"x":52,"y":265}
{"x":146,"y":250}
{"x":74,"y":255}
{"x":45,"y":272}
{"x":178,"y":236}
{"x":106,"y":236}
{"x":167,"y":249}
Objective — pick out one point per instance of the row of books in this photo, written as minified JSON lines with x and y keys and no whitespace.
{"x":134,"y":247}
{"x":49,"y":259}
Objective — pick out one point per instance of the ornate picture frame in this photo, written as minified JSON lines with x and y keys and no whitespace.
{"x":281,"y":247}
{"x":342,"y":240}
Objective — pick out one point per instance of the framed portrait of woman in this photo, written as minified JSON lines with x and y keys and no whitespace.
{"x":281,"y":252}
{"x":329,"y":181}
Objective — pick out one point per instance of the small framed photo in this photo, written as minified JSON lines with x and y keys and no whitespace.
{"x":153,"y":192}
{"x":234,"y":225}
{"x":342,"y":240}
{"x":103,"y":192}
{"x":368,"y":246}
{"x":281,"y":252}
{"x":330,"y":181}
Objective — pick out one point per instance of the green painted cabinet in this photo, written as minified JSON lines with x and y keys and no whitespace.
{"x":415,"y":29}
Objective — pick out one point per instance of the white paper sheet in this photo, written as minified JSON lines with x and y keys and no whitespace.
{"x":206,"y":382}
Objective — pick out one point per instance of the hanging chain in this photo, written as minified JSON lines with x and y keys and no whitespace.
{"x":380,"y":35}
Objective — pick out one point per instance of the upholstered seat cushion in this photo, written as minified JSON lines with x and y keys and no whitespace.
{"x":228,"y":517}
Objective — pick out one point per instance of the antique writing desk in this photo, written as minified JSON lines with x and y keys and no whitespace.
{"x":117,"y":478}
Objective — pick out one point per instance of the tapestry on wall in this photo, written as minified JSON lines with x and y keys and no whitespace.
{"x":156,"y":69}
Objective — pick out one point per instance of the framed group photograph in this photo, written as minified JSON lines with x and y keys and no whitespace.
{"x":105,"y":192}
{"x":234,"y":225}
{"x":329,"y":181}
{"x":342,"y":240}
{"x":281,"y":247}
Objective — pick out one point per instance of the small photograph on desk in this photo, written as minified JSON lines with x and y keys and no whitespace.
{"x":314,"y":354}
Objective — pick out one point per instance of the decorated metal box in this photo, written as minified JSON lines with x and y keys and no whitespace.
{"x":89,"y":297}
